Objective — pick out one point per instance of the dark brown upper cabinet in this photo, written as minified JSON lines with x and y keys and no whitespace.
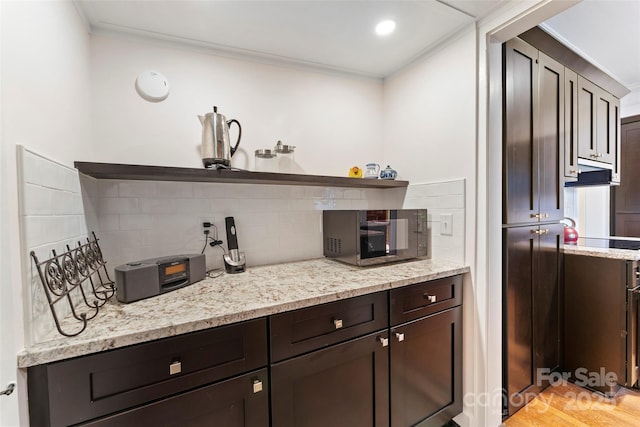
{"x":598,"y":126}
{"x":534,"y":135}
{"x":570,"y":125}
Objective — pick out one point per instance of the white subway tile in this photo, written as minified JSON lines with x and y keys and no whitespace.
{"x":360,"y":204}
{"x":352,"y":193}
{"x":208,"y":190}
{"x":31,"y":168}
{"x":137,"y":189}
{"x":109,"y":222}
{"x":77,"y":208}
{"x":225,"y":207}
{"x":269,"y":191}
{"x":108,"y":188}
{"x":119,"y":239}
{"x":38,"y":200}
{"x":89,"y":186}
{"x":177,"y":190}
{"x":70,"y":180}
{"x":182,"y":221}
{"x":242,"y":191}
{"x":53,"y":174}
{"x":343,"y":204}
{"x":262,"y":205}
{"x":324,"y":204}
{"x":120,"y":205}
{"x":317,"y":193}
{"x":64,"y":203}
{"x":448,"y":253}
{"x":168,"y":206}
{"x":301,"y":205}
{"x":136,"y":222}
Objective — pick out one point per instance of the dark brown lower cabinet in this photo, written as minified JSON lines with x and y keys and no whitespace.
{"x":230,"y":403}
{"x":155,"y":377}
{"x":339,"y":364}
{"x":532,"y":263}
{"x":346,"y":385}
{"x":426,"y":370}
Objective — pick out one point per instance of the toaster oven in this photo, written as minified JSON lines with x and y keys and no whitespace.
{"x":367,"y":237}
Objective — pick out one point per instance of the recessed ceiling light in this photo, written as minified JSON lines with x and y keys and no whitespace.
{"x":385,"y":27}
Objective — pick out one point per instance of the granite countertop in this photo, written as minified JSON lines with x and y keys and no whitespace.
{"x":584,"y":247}
{"x":260,"y":291}
{"x":602,"y":252}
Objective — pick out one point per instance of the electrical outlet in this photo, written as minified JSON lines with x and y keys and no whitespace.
{"x":446,"y":224}
{"x":206,"y":222}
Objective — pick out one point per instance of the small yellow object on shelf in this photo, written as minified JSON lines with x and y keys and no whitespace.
{"x":355,"y":172}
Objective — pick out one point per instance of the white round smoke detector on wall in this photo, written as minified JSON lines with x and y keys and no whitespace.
{"x":152,"y":86}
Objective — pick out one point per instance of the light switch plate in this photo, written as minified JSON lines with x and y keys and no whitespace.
{"x":446,"y":224}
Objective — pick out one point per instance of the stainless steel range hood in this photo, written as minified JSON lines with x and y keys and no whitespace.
{"x":592,"y":174}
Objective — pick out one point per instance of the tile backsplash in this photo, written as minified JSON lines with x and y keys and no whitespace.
{"x":54,"y":213}
{"x":144,"y":219}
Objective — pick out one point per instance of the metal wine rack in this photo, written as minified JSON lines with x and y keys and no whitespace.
{"x":63,"y":273}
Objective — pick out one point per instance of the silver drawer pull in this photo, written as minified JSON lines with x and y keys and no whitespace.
{"x":175,"y":368}
{"x":399,"y":336}
{"x":257,"y":386}
{"x":430,"y":298}
{"x":337,"y":323}
{"x":384,"y":341}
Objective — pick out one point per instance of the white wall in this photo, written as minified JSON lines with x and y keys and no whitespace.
{"x":334,"y":120}
{"x":430,"y":135}
{"x":45,"y":94}
{"x":429,"y":114}
{"x":630,"y":103}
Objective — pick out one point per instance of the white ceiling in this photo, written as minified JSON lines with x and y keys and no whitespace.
{"x":605,"y":32}
{"x":339,"y":34}
{"x":335,"y":34}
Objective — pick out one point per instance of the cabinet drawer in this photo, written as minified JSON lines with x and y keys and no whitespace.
{"x":230,"y":403}
{"x":413,"y":302}
{"x":88,"y":387}
{"x":308,"y":329}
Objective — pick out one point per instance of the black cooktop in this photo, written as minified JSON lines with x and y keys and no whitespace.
{"x":633,"y":245}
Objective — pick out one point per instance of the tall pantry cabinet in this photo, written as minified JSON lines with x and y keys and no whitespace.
{"x":533,"y":174}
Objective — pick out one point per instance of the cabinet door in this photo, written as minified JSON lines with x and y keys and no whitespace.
{"x":549,"y":138}
{"x":520,"y":155}
{"x":546,"y":298}
{"x":239,"y":402}
{"x":570,"y":125}
{"x":587,"y":100}
{"x":531,"y":341}
{"x":605,"y":127}
{"x":616,"y":138}
{"x":346,"y":385}
{"x":627,"y":195}
{"x":84,"y":388}
{"x":426,"y":370}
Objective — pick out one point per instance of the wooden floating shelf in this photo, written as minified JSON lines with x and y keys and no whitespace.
{"x":228,"y":176}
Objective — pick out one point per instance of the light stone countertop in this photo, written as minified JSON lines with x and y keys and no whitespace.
{"x":260,"y":291}
{"x":612,"y":253}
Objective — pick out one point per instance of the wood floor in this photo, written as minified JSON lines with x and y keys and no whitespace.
{"x":570,"y":405}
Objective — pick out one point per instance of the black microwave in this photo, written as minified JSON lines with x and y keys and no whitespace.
{"x":367,"y":237}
